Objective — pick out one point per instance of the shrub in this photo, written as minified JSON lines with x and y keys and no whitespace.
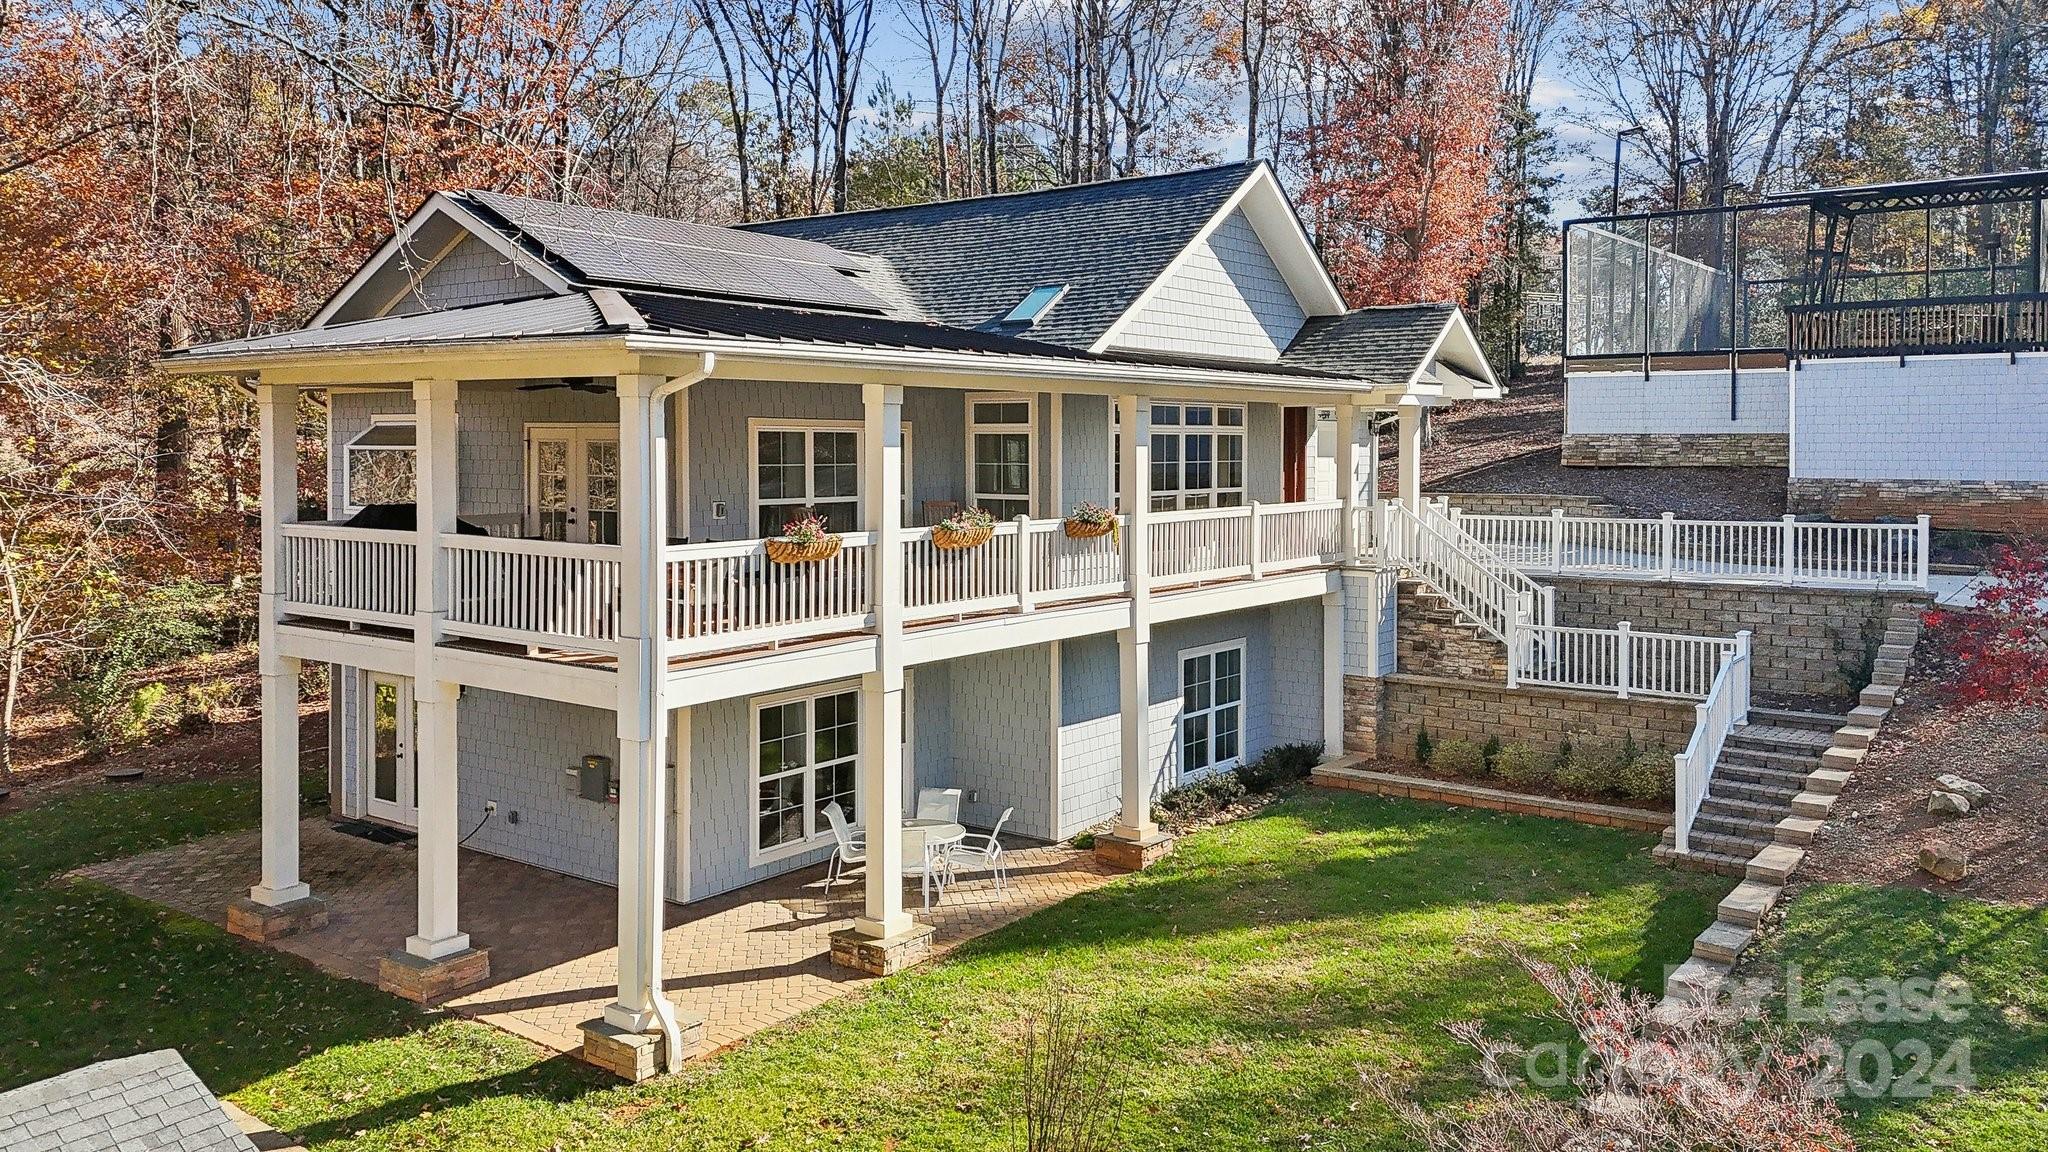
{"x":1523,"y":766}
{"x":1424,"y":746}
{"x":1592,"y":768}
{"x":1705,"y":1078}
{"x":149,"y":709}
{"x":1199,"y":800}
{"x":1650,"y":777}
{"x":1281,"y":764}
{"x":207,"y":703}
{"x":1072,"y":1086}
{"x":164,"y":623}
{"x":1491,"y":752}
{"x":1461,"y":757}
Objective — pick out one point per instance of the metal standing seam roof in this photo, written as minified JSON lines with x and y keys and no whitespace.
{"x":968,"y":262}
{"x":575,"y":314}
{"x":1386,"y":344}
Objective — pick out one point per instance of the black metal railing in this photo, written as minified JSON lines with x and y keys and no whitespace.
{"x":2016,"y":322}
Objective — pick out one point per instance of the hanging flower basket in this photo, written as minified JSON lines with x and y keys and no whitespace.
{"x":967,"y":528}
{"x":1088,"y":522}
{"x":802,"y":551}
{"x":803,"y":541}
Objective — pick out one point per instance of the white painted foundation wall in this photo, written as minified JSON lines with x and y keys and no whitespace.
{"x":1970,"y":418}
{"x":1675,"y":403}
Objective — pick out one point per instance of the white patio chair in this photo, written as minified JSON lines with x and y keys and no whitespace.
{"x":850,"y":846}
{"x":983,"y":852}
{"x":939,"y":804}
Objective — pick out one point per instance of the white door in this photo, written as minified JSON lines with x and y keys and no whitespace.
{"x":572,"y":482}
{"x":394,"y":775}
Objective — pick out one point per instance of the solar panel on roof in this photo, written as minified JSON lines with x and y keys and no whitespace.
{"x":654,"y":252}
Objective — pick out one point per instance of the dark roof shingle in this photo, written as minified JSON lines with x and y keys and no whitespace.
{"x":968,"y":262}
{"x":1384,"y":344}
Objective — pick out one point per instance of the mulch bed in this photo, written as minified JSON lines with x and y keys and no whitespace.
{"x":1882,"y":821}
{"x":1546,"y":791}
{"x":1476,"y":433}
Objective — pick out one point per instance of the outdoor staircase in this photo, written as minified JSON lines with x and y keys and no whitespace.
{"x":1434,"y":633}
{"x":1751,"y":801}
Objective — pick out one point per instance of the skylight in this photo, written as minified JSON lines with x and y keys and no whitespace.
{"x":1035,"y":304}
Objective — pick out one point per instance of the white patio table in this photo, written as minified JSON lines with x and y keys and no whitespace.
{"x":924,"y":850}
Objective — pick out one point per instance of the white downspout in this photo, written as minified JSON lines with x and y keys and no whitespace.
{"x":657,"y":997}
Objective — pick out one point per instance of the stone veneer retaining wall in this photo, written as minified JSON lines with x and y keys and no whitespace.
{"x":1979,"y":505}
{"x":1800,"y":637}
{"x":1382,"y":717}
{"x":1430,"y":639}
{"x":1673,"y":450}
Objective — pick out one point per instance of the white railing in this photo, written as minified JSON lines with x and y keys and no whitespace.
{"x":1783,"y":551}
{"x":1725,"y":709}
{"x":540,"y":593}
{"x":360,"y":575}
{"x":1618,"y":660}
{"x":731,"y":595}
{"x":1486,"y":590}
{"x":1024,"y":563}
{"x":1252,"y":540}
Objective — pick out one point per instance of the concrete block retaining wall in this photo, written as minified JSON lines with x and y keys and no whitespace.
{"x":1383,"y":717}
{"x":1800,"y":637}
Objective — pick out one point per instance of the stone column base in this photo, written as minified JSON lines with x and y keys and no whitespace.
{"x":1133,"y":855}
{"x":425,"y":981}
{"x":635,"y":1056}
{"x":265,"y":922}
{"x":885,"y":956}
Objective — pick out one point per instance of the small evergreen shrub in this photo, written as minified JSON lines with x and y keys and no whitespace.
{"x":1199,"y":800}
{"x":1424,"y":746}
{"x":1650,"y":777}
{"x":1280,"y":764}
{"x":1491,"y":751}
{"x":1523,"y":766}
{"x":1461,"y":757}
{"x":1592,"y":768}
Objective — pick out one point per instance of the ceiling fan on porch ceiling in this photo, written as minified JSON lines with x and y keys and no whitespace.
{"x":572,"y":383}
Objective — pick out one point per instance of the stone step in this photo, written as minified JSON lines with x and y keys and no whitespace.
{"x":1722,"y":942}
{"x":1778,"y":796}
{"x":1746,"y":773}
{"x":1739,"y":847}
{"x":1867,"y":716}
{"x":1801,"y":742}
{"x":1695,"y":981}
{"x":1729,"y":807}
{"x":1878,"y":696}
{"x":1794,"y":718}
{"x":1799,"y":830}
{"x":1748,"y":827}
{"x":1714,"y":862}
{"x":1854,"y":737}
{"x":1745,"y":907}
{"x":1813,"y":805}
{"x":1775,"y":864}
{"x":1827,"y":781}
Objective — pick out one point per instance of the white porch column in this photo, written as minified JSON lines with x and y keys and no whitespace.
{"x":1333,"y":673}
{"x":437,"y":495}
{"x":881,"y":696}
{"x":643,"y":724}
{"x":1347,"y":476}
{"x":277,"y":440}
{"x":1410,"y":422}
{"x":1137,"y":841}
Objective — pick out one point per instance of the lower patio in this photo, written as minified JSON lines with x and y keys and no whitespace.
{"x":745,"y":961}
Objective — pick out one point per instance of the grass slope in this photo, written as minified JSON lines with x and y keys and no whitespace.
{"x":1861,"y":933}
{"x":1243,"y":987}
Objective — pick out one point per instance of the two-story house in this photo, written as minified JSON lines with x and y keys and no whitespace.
{"x":559,"y":443}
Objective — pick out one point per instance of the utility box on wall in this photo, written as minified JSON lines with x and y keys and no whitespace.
{"x":594,"y":779}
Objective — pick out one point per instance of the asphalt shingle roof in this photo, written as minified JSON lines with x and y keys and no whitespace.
{"x":690,"y":317}
{"x":968,"y":262}
{"x":1385,"y":344}
{"x":149,"y":1101}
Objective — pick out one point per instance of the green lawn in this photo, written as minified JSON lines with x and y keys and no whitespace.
{"x":1857,"y":933}
{"x":1242,"y":986}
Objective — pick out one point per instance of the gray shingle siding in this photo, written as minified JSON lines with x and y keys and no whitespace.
{"x":515,"y":750}
{"x":472,"y":273}
{"x":153,"y":1100}
{"x":1226,"y":300}
{"x":1001,"y":724}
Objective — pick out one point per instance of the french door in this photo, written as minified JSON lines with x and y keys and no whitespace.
{"x":394,"y":774}
{"x":572,"y":482}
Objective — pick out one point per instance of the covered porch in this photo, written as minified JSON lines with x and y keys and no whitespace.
{"x":744,"y":961}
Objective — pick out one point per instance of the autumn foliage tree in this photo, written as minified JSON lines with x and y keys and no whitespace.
{"x":1398,"y":151}
{"x":1996,"y":651}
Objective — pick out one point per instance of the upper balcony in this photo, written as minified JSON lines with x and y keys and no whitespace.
{"x":549,"y":597}
{"x":1928,"y":267}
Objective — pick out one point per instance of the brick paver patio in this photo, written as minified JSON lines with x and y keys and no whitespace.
{"x":746,"y":960}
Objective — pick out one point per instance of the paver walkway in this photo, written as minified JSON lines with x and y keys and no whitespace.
{"x":745,"y":961}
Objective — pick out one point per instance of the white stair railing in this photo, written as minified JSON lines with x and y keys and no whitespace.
{"x":1725,"y":709}
{"x":1619,"y":660}
{"x":1784,"y":551}
{"x":1483,"y":588}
